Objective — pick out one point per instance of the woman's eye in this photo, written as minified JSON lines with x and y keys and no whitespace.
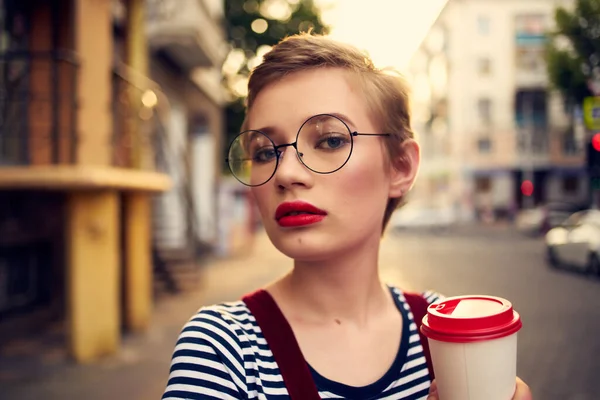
{"x":264,"y":155}
{"x":331,"y":142}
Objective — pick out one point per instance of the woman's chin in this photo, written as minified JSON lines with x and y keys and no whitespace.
{"x":302,"y":244}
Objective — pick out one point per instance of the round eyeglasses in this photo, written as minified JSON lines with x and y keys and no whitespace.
{"x":323,"y":144}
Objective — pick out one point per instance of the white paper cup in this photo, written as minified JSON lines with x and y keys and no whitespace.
{"x":473,"y":345}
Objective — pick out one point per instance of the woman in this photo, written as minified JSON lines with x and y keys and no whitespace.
{"x":328,"y":151}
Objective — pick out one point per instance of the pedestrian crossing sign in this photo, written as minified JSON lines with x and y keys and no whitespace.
{"x":591,"y":112}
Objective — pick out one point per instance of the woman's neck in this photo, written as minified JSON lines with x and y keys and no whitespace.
{"x":345,"y":288}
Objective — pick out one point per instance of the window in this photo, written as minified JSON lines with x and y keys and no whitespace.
{"x":15,"y":19}
{"x":484,"y":145}
{"x":570,"y":185}
{"x":485,"y":66}
{"x":531,"y":107}
{"x":14,"y":22}
{"x":530,"y":42}
{"x":530,"y":60}
{"x":484,"y":108}
{"x":483,"y":25}
{"x":483,"y":184}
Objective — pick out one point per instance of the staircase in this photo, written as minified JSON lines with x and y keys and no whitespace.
{"x":177,"y":250}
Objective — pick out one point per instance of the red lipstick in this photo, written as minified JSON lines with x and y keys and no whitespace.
{"x":298,"y":213}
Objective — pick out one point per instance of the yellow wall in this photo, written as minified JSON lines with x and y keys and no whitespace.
{"x":138,"y":261}
{"x":93,"y":273}
{"x":137,"y":221}
{"x":93,"y":44}
{"x":96,"y":256}
{"x":93,"y":235}
{"x":137,"y":60}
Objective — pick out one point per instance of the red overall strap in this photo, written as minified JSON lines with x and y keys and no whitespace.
{"x":418,"y":305}
{"x":282,"y":342}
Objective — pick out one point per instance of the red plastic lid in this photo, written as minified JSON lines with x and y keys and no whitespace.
{"x":466,"y":319}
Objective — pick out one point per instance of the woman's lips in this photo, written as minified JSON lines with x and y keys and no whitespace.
{"x":298,"y":213}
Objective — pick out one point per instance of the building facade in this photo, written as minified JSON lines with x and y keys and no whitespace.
{"x":488,"y":118}
{"x":111,"y":122}
{"x":188,"y":47}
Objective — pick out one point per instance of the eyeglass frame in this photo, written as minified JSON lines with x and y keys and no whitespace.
{"x":295,"y":146}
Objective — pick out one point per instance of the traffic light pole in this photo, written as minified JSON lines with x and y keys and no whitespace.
{"x":528,"y":164}
{"x":593,"y":168}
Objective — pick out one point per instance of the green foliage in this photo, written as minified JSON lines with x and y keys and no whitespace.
{"x":283,"y":18}
{"x":573,"y":56}
{"x":566,"y":75}
{"x":240,"y":14}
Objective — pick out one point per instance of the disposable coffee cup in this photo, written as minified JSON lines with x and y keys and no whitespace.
{"x":473,"y":346}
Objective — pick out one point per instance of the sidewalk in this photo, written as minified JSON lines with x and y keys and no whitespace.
{"x":139,"y":371}
{"x":39,"y":368}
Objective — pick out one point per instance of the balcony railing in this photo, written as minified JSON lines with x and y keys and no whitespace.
{"x":188,"y":32}
{"x":38,"y":113}
{"x":38,"y":108}
{"x":533,"y":142}
{"x":133,"y":133}
{"x":538,"y":120}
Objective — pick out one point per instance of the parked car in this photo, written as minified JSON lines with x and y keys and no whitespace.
{"x":537,"y":221}
{"x":576,"y":242}
{"x":421,"y":217}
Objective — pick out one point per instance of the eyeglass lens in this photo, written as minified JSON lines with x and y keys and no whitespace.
{"x":323,"y":143}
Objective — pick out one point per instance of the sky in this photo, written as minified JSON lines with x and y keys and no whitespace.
{"x":390,"y":30}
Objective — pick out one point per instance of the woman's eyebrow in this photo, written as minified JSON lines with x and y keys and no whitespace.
{"x":344,"y":118}
{"x":272,"y":131}
{"x":268,"y":130}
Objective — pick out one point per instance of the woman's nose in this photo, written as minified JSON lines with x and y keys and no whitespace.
{"x":290,"y":170}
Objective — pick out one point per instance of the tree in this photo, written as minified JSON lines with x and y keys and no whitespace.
{"x":253,"y":27}
{"x":573,"y":54}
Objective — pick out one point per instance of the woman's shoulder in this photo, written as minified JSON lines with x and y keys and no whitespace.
{"x":209,"y":356}
{"x":431,"y":296}
{"x":230,"y":318}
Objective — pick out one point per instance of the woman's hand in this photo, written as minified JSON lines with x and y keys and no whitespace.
{"x":522,"y":392}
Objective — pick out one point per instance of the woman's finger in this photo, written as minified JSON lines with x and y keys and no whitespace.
{"x":433,"y":391}
{"x":523,"y":392}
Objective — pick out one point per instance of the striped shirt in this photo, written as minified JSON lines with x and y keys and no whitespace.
{"x":222,"y":354}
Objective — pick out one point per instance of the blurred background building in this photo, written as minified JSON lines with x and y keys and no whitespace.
{"x":119,"y":218}
{"x":495,"y":137}
{"x":111,"y":128}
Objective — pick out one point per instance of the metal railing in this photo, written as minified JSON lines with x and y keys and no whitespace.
{"x":132,"y":128}
{"x":38,"y":107}
{"x":38,"y":113}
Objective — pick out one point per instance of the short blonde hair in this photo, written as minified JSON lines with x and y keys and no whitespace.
{"x":387,"y":94}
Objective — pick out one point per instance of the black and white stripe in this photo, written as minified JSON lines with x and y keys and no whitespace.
{"x":222,"y":354}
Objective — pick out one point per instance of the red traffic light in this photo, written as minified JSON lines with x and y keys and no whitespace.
{"x":596,"y":141}
{"x":527,"y":188}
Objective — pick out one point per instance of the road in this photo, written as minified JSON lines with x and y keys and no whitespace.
{"x":559,"y":345}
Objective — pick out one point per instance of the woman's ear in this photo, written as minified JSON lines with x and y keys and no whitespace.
{"x":404,"y":168}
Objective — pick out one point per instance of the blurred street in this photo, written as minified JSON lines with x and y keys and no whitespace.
{"x":557,"y":345}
